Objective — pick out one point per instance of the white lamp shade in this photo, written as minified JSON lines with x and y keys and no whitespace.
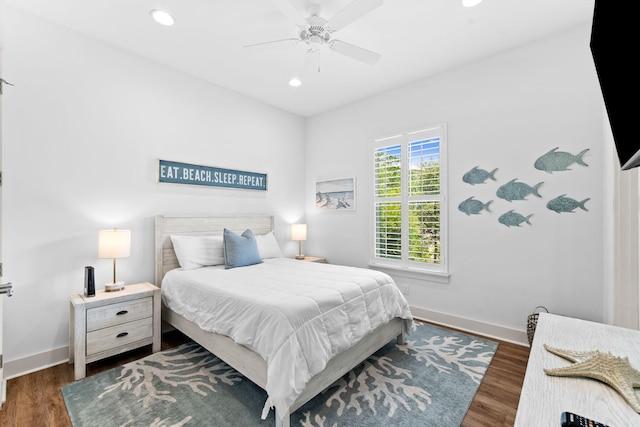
{"x":298,"y":231}
{"x":114,"y":243}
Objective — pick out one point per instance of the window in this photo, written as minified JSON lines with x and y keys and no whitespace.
{"x":409,"y":186}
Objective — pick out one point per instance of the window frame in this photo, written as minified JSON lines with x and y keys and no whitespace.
{"x":404,"y":266}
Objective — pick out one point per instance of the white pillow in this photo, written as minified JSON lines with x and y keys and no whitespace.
{"x":198,"y":251}
{"x":268,"y":246}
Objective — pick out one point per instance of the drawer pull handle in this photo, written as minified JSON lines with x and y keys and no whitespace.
{"x":122,"y":334}
{"x":120,"y":313}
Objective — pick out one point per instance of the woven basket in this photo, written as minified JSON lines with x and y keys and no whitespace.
{"x":532,"y":322}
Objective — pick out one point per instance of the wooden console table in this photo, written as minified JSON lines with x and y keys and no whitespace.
{"x":545,"y":397}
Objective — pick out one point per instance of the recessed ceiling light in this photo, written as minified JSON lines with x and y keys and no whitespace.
{"x":295,"y":82}
{"x":162,"y":17}
{"x":470,"y":3}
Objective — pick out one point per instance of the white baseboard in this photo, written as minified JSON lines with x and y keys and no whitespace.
{"x":472,"y":326}
{"x":46,"y":359}
{"x":36,"y":362}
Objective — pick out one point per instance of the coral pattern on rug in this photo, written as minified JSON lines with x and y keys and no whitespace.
{"x":431,"y":380}
{"x":190,"y":366}
{"x":446,"y":352}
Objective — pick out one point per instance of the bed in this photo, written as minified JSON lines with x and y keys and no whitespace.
{"x":247,"y":352}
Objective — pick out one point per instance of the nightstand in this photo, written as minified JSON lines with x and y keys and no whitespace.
{"x":111,"y":323}
{"x":314,"y":259}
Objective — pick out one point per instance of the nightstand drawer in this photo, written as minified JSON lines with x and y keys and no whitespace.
{"x":116,"y":336}
{"x":117,"y":314}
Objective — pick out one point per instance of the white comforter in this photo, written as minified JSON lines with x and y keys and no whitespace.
{"x":297,"y":315}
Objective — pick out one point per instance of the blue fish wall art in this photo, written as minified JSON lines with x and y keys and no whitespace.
{"x":513,"y":190}
{"x":557,"y":161}
{"x":472,"y":206}
{"x":566,"y":204}
{"x":513,"y":219}
{"x":478,"y":176}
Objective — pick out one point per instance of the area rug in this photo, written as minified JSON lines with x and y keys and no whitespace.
{"x":429,"y":381}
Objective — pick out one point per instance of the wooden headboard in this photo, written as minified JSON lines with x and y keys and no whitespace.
{"x":199,"y":226}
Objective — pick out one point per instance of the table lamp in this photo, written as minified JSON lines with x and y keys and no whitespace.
{"x":114,"y":244}
{"x":299,"y":233}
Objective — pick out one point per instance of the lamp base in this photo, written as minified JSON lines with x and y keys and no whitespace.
{"x":112,"y":287}
{"x":299,"y":256}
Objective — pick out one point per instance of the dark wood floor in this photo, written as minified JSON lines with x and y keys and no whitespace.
{"x":496,"y":402}
{"x":35,"y":400}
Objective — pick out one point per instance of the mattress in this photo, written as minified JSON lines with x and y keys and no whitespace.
{"x":296,"y":315}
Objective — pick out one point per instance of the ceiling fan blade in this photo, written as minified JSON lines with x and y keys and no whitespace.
{"x":354,"y":52}
{"x":292,"y":12}
{"x":353,"y":11}
{"x":294,"y":41}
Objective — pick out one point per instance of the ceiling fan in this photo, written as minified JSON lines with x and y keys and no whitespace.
{"x":315,"y":31}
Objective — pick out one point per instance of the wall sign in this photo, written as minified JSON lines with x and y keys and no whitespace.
{"x":185,"y":173}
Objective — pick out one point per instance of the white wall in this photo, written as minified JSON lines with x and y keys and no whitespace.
{"x":627,"y":250}
{"x":502,"y":112}
{"x":83,"y":128}
{"x":85,"y":123}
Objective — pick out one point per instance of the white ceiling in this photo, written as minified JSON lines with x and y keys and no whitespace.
{"x":415,"y":38}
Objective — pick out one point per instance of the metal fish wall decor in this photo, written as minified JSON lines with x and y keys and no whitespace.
{"x":566,"y":204}
{"x":513,"y":219}
{"x":472,"y":206}
{"x":478,"y":176}
{"x":557,"y":161}
{"x":514,"y":190}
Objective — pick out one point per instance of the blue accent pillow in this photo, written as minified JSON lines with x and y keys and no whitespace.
{"x":240,"y":250}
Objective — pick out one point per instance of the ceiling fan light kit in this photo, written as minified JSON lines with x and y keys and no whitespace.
{"x":316,"y":31}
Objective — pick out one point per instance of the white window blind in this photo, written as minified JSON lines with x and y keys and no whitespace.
{"x":408,"y":195}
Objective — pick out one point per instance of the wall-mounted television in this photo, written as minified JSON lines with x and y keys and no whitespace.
{"x":614,"y":46}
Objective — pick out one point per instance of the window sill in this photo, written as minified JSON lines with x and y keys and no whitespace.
{"x":412,"y":273}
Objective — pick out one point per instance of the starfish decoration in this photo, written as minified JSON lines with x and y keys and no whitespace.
{"x":614,"y":371}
